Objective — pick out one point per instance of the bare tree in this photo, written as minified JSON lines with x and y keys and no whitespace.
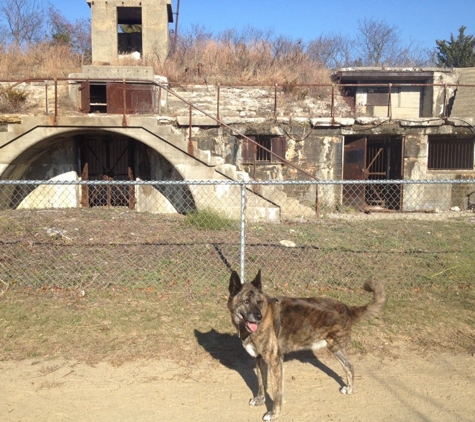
{"x":332,"y":51}
{"x":76,"y":35}
{"x":377,"y":42}
{"x":25,"y":20}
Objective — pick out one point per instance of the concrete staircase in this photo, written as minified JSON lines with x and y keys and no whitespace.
{"x":290,"y":208}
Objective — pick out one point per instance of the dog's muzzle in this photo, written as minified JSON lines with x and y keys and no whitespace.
{"x":251,"y":322}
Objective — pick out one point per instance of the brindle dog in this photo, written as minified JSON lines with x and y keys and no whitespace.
{"x":271,"y":327}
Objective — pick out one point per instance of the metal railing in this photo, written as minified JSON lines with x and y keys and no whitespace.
{"x":328,"y":91}
{"x":421,"y":236}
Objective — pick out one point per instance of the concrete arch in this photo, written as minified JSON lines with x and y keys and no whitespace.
{"x":24,"y":143}
{"x":45,"y":153}
{"x":34,"y":130}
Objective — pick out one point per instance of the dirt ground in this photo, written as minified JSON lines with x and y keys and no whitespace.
{"x":401,"y":385}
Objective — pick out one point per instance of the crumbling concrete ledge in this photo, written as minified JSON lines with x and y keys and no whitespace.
{"x":421,"y":122}
{"x":7,"y":119}
{"x":332,"y":121}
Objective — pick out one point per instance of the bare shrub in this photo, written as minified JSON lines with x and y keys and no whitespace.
{"x":12,"y":100}
{"x":43,"y":60}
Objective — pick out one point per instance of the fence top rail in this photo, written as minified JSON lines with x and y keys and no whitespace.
{"x":231,"y":182}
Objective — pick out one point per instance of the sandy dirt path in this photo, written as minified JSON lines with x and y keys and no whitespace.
{"x":411,"y":387}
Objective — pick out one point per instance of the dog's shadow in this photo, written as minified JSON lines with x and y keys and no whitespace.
{"x":228,"y":350}
{"x":306,"y":356}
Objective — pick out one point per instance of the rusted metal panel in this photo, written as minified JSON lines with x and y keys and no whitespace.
{"x":354,"y":159}
{"x":85,"y":188}
{"x":378,"y":98}
{"x":248,"y":150}
{"x":354,"y":165}
{"x":85,"y":90}
{"x":278,"y":147}
{"x":139,"y":98}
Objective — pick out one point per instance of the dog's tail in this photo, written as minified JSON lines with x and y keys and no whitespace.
{"x":373,"y":308}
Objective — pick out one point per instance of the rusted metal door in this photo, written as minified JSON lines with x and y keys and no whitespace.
{"x":377,"y":169}
{"x":106,"y":158}
{"x":354,"y":165}
{"x":133,"y":98}
{"x":374,"y":158}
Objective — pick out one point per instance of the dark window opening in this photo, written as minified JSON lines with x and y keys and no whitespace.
{"x":450,"y":154}
{"x":98,"y":98}
{"x":254,"y":152}
{"x":129,"y":28}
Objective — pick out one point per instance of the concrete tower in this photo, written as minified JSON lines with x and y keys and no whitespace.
{"x":150,"y":37}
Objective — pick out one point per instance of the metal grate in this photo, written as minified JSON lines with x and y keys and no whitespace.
{"x":450,"y":154}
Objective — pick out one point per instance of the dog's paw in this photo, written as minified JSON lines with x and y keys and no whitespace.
{"x":269,"y":416}
{"x":257,"y":401}
{"x":346,"y":390}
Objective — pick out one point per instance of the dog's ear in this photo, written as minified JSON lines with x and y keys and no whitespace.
{"x":257,"y":281}
{"x":235,"y":284}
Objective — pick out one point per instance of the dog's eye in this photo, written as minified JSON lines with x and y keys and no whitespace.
{"x":246,"y":301}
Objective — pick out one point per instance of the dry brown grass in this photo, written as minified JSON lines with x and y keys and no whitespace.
{"x":42,"y":60}
{"x":194,"y":60}
{"x":213,"y":61}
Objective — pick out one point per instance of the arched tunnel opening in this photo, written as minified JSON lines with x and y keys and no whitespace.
{"x":98,"y":155}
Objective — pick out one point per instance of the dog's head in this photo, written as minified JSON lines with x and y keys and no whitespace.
{"x":246,"y":302}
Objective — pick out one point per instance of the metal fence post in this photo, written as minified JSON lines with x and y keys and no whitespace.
{"x":243,"y":230}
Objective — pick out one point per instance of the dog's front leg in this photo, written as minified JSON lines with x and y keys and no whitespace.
{"x":261,"y":372}
{"x":277,"y":373}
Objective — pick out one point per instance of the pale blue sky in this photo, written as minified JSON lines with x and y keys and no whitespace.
{"x":422,"y":21}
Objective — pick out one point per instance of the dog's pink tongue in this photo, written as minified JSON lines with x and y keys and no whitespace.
{"x":252,"y":326}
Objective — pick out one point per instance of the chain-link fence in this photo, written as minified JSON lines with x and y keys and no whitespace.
{"x":332,"y":234}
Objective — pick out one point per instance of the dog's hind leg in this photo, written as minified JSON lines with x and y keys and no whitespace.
{"x":348,"y":367}
{"x":261,"y":372}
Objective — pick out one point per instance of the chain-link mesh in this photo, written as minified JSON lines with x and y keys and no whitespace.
{"x":412,"y":234}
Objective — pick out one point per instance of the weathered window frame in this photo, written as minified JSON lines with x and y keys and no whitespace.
{"x":251,"y":153}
